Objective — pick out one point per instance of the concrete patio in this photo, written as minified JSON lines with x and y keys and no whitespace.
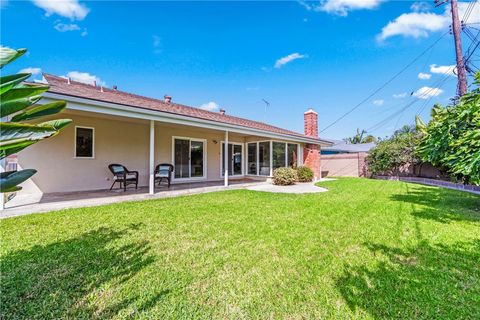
{"x":22,"y":205}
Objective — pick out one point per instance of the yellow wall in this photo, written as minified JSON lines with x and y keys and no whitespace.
{"x":117,"y":140}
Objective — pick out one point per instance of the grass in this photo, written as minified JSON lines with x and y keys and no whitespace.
{"x":365,"y":249}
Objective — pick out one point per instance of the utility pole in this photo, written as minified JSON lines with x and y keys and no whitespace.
{"x":457,"y":36}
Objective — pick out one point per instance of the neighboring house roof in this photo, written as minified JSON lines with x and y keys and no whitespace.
{"x":63,"y":86}
{"x":342,"y":146}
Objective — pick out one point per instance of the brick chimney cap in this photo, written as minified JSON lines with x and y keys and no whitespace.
{"x":310,"y":110}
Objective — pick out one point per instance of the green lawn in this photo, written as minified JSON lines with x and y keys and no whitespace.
{"x":365,"y":249}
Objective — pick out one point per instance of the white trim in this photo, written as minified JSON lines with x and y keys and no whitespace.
{"x":75,"y":144}
{"x":221,"y":157}
{"x":205,"y":162}
{"x":89,"y":105}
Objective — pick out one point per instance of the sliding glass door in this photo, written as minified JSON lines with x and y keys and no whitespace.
{"x":189,"y":158}
{"x":235,"y":159}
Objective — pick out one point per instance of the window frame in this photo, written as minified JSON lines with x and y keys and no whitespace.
{"x":205,"y":161}
{"x":75,"y":143}
{"x":222,"y":175}
{"x":286,"y":143}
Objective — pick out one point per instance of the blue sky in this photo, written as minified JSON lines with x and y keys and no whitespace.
{"x":327,"y":55}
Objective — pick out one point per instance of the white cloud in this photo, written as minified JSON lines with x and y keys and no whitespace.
{"x":284,"y":60}
{"x":62,"y":27}
{"x":31,"y":70}
{"x":379,"y":102}
{"x":427,"y":92}
{"x":424,"y":76}
{"x":446,"y":70}
{"x":418,"y":24}
{"x":420,"y":6}
{"x":84,"y":33}
{"x":399,"y":95}
{"x":210,"y":106}
{"x":66,"y":8}
{"x":85,"y":77}
{"x":342,"y":7}
{"x":414,"y":24}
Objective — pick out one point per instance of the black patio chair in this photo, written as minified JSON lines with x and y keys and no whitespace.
{"x":123,"y":176}
{"x":163,"y":171}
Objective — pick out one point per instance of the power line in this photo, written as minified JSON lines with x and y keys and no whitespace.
{"x":386,"y":83}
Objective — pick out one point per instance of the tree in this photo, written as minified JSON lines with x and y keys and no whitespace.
{"x":391,"y":154}
{"x":451,"y":140}
{"x":359,"y":138}
{"x":18,"y":106}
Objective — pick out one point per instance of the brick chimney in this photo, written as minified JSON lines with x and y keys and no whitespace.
{"x":311,"y":152}
{"x":311,"y":123}
{"x":167,"y":99}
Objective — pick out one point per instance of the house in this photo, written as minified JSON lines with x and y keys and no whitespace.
{"x":344,"y":159}
{"x":340,"y":146}
{"x":111,"y":126}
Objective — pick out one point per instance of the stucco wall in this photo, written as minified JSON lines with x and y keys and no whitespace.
{"x":343,"y":165}
{"x":117,"y":140}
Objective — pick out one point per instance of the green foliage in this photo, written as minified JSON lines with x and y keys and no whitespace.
{"x":17,"y":103}
{"x":389,"y":156}
{"x":305,"y":174}
{"x":360,"y":138}
{"x":451,"y":139}
{"x":284,"y":176}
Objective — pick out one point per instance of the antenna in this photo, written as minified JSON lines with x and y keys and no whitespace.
{"x":267,"y":104}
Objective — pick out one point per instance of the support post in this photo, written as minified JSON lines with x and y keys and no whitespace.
{"x":151,"y":183}
{"x":456,"y":28}
{"x":225,"y":153}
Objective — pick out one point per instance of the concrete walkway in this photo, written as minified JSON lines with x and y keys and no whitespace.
{"x":306,"y":187}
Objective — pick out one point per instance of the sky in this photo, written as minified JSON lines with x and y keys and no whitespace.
{"x":327,"y":55}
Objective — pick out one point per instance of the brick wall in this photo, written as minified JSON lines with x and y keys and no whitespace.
{"x":311,"y":153}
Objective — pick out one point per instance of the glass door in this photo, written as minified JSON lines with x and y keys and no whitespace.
{"x":235,"y":159}
{"x":188,"y":158}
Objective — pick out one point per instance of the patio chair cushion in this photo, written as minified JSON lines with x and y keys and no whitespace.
{"x":128,"y":176}
{"x":162,"y":174}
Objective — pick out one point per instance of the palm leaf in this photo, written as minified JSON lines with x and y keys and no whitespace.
{"x":12,"y":106}
{"x":8,"y":82}
{"x":40,"y":111}
{"x":16,"y":147}
{"x":7,"y":55}
{"x":23,"y":91}
{"x":9,"y":180}
{"x":15,"y":131}
{"x":57,"y":124}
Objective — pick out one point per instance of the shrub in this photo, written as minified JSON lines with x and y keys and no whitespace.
{"x":284,"y":176}
{"x":305,"y":174}
{"x":451,"y":140}
{"x":393,"y":155}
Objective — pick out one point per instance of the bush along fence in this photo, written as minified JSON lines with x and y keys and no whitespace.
{"x":434,"y":182}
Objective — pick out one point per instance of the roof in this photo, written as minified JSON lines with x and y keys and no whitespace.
{"x":62,"y":86}
{"x":342,"y":146}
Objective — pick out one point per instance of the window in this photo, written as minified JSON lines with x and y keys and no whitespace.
{"x":252,"y":158}
{"x":189,"y":158}
{"x":264,"y":158}
{"x":292,"y":158}
{"x":84,"y":142}
{"x":278,"y":154}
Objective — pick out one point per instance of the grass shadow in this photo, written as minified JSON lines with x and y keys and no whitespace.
{"x":441,"y":205}
{"x":63,"y":279}
{"x":423,"y":282}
